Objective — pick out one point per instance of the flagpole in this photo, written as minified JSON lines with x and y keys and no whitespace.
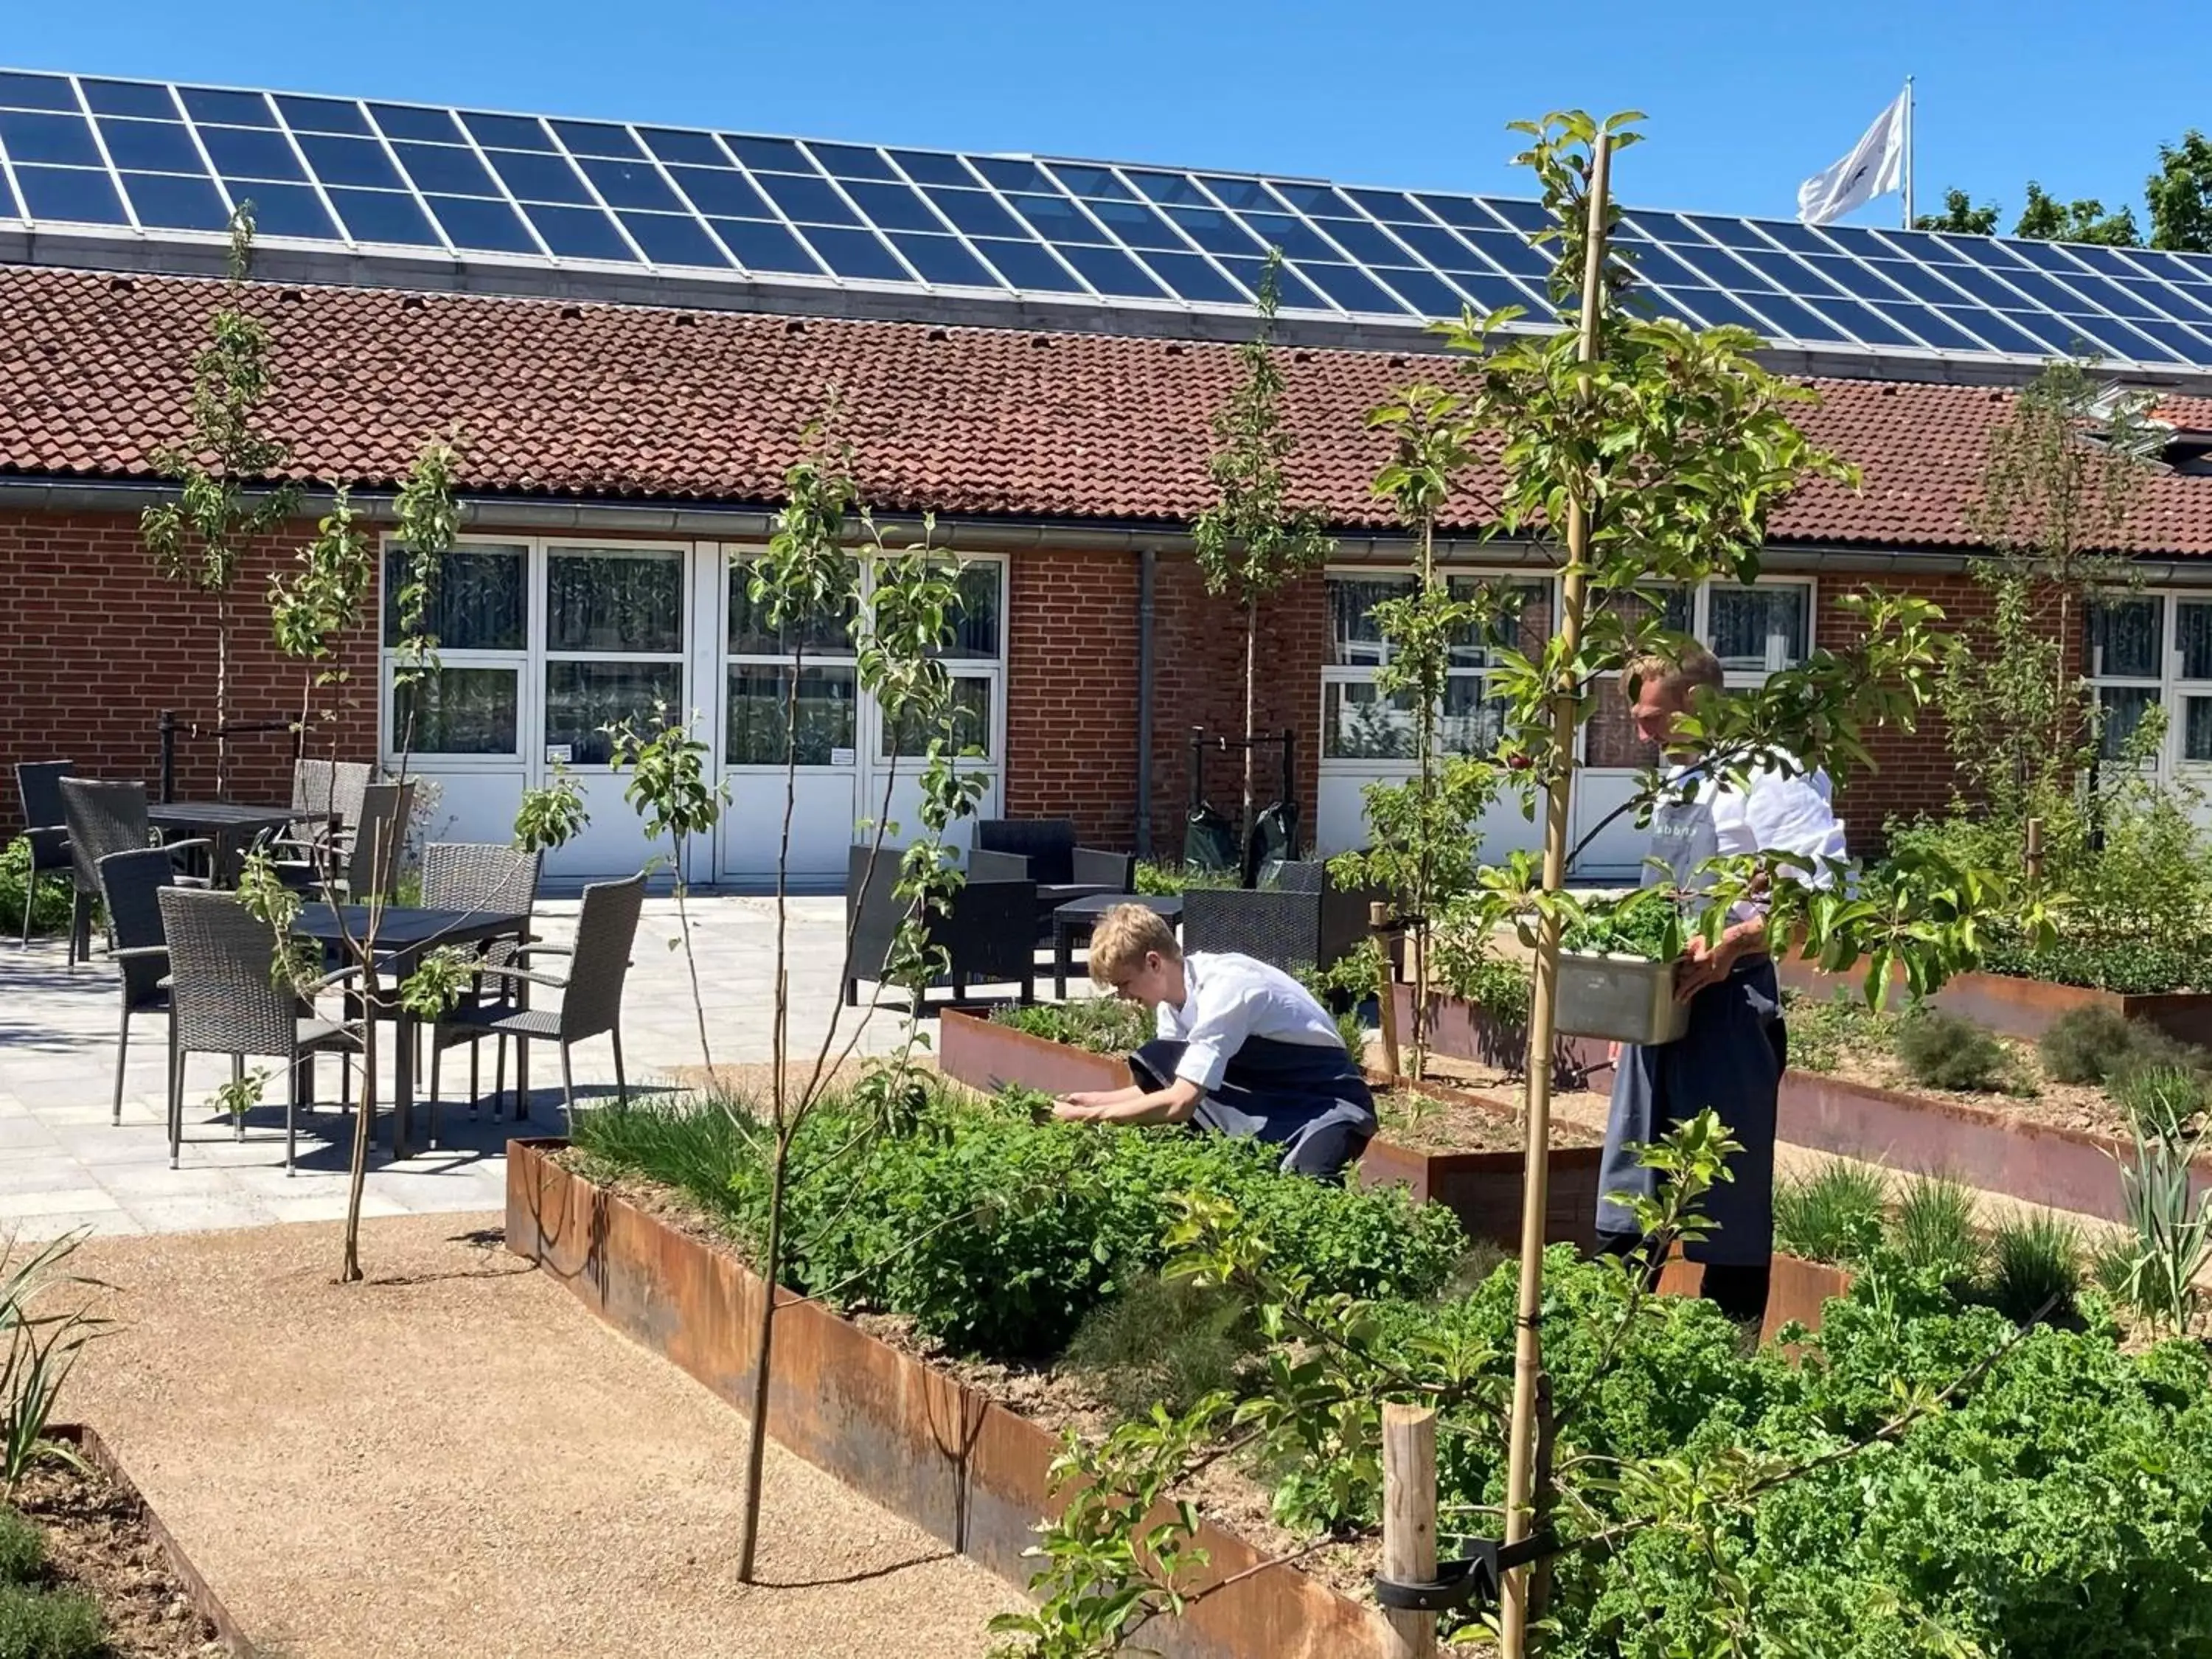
{"x":1908,"y":152}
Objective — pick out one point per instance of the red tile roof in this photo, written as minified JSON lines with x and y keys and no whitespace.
{"x":603,"y":401}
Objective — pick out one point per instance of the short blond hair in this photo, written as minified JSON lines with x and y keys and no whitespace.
{"x":1124,"y":936}
{"x":1693,"y":667}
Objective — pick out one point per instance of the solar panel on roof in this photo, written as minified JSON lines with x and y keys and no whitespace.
{"x":165,"y":162}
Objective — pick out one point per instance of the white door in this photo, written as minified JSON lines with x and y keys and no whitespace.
{"x":890,"y":786}
{"x":821,"y":791}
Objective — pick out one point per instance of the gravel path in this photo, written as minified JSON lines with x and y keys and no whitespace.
{"x":454,"y":1458}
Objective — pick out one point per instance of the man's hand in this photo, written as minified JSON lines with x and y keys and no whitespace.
{"x":1704,"y":964}
{"x":1077,"y":1108}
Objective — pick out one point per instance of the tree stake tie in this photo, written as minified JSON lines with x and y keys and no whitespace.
{"x":1469,"y":1583}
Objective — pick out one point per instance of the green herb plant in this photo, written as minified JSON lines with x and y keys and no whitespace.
{"x":552,"y":815}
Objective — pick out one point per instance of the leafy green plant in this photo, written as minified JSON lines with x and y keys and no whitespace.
{"x":2155,"y":1267}
{"x":1947,"y":1052}
{"x":1102,"y":1025}
{"x":2088,"y":1044}
{"x":551,"y":815}
{"x":240,"y":1094}
{"x":1165,"y":880}
{"x":43,"y":1349}
{"x":38,"y":1623}
{"x":668,"y":788}
{"x":1645,"y":923}
{"x":2161,"y":1101}
{"x":1833,"y":1215}
{"x":2035,"y":1264}
{"x":50,"y":905}
{"x":1936,"y":1228}
{"x":1165,"y":1341}
{"x":22,"y":1549}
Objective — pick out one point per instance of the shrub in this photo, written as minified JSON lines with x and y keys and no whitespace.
{"x":2132,"y":966}
{"x":2035,"y":1262}
{"x":1165,"y":1341}
{"x":22,"y":1548}
{"x":1834,"y":1215}
{"x":1934,"y":1229}
{"x":50,"y":908}
{"x":1104,"y":1026}
{"x":1945,"y":1052}
{"x":2162,"y":1101}
{"x":1165,"y":879}
{"x":2087,"y":1045}
{"x":40,"y":1624}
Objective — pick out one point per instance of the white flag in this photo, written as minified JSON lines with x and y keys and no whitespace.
{"x":1875,"y":167}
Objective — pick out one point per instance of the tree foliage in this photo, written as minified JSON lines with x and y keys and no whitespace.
{"x":2178,"y":197}
{"x":2047,"y":219}
{"x":1962,"y":217}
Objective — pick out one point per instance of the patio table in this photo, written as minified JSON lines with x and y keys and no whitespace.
{"x":1081,"y":916}
{"x":404,"y":937}
{"x":228,"y":825}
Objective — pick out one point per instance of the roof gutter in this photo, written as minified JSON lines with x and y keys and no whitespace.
{"x":738,"y":522}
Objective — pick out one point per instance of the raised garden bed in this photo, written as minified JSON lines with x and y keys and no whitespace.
{"x":1993,"y":1149}
{"x":985,"y":1055}
{"x":1468,"y":1158}
{"x":105,"y":1540}
{"x":2025,"y":1007}
{"x":1459,"y":1030}
{"x":1799,"y":1291}
{"x":898,"y":1430}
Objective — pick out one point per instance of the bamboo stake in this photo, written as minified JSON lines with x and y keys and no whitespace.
{"x":1409,"y":1520}
{"x":1386,"y":996}
{"x":1528,"y":1352}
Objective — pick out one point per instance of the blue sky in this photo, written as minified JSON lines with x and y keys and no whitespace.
{"x":1744,"y":98}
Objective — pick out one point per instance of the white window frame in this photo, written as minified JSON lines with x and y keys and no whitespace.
{"x":734,"y":558}
{"x":1342,"y":674}
{"x":2170,"y":687}
{"x":523,"y":659}
{"x":545,"y":656}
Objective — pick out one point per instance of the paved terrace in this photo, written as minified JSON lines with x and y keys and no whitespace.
{"x":64,"y":1165}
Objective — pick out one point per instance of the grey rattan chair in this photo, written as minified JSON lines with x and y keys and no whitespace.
{"x":490,"y":877}
{"x":39,"y":782}
{"x":130,"y":885}
{"x":591,"y":992}
{"x":224,"y":999}
{"x":308,"y":854}
{"x":105,"y":818}
{"x":372,"y":862}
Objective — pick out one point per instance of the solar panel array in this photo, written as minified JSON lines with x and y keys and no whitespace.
{"x":156,"y":160}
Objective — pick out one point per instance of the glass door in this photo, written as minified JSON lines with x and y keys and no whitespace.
{"x":977,"y":661}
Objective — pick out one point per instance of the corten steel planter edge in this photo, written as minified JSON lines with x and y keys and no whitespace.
{"x":205,"y":1602}
{"x":986,"y":1055}
{"x":1460,"y":1030}
{"x":2020,"y":1007}
{"x":903,"y":1435}
{"x":2037,"y":1163}
{"x":1799,"y":1290}
{"x":1484,"y":1189}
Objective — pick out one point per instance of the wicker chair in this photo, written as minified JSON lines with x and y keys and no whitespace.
{"x":1301,"y":921}
{"x":591,"y":994}
{"x":130,"y":885}
{"x":489,"y":877}
{"x":306,"y":855}
{"x":39,"y":782}
{"x":225,"y":998}
{"x":1061,"y":870}
{"x":102,"y":819}
{"x":988,"y":932}
{"x":371,"y":861}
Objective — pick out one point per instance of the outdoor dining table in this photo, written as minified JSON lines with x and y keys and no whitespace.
{"x":228,"y":825}
{"x":404,"y":936}
{"x":1081,"y":916}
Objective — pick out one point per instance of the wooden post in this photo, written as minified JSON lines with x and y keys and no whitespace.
{"x":2034,"y":852}
{"x":1409,"y":1520}
{"x":1386,"y":1004}
{"x":1535,"y":1197}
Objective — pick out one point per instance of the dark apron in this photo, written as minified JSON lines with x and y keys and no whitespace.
{"x":1306,"y":1098}
{"x":1730,"y":1059}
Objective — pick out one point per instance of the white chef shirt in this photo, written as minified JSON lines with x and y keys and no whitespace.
{"x":1772,"y":811}
{"x":1228,"y":998}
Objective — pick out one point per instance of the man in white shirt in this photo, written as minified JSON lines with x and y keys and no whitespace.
{"x":1732,"y":1056}
{"x":1243,"y":1048}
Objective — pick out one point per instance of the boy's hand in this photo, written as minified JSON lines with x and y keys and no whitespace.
{"x":1075,"y":1108}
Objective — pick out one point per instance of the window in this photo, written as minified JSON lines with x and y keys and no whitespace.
{"x":2192,"y":667}
{"x":1755,"y":631}
{"x":760,"y":686}
{"x":476,"y":612}
{"x":974,"y":658}
{"x":1359,"y":723}
{"x":614,"y":643}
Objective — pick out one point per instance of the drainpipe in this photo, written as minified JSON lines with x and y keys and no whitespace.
{"x":1146,"y":560}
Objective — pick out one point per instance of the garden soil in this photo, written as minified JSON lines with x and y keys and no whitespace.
{"x":455,"y":1458}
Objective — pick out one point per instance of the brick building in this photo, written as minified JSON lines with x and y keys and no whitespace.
{"x":623,"y":433}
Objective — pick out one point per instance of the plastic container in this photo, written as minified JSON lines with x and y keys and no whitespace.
{"x":1623,"y":998}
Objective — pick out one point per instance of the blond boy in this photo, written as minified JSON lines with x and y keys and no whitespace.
{"x":1242,"y":1048}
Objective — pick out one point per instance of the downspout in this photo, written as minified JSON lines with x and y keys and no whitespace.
{"x":1146,"y":560}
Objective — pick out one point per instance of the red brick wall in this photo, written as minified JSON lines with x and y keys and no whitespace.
{"x":94,"y":643}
